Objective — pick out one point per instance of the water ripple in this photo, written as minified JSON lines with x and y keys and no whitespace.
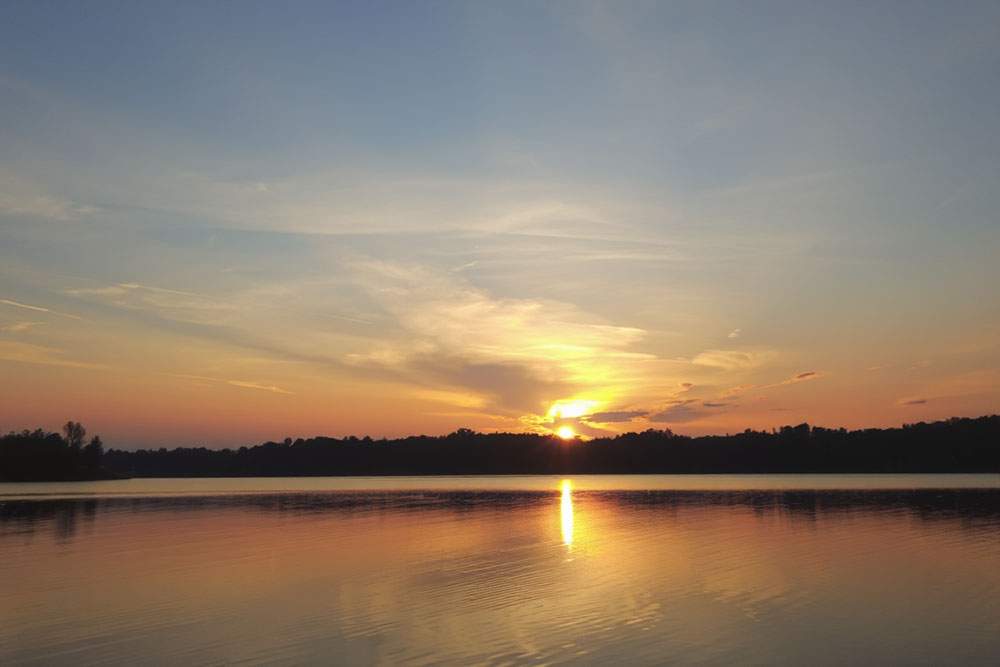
{"x":488,"y":576}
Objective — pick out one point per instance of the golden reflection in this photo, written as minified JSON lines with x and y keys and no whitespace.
{"x":566,"y":507}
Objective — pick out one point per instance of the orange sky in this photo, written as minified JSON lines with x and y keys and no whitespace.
{"x":644,"y":216}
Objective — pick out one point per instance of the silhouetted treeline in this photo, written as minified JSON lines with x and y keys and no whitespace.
{"x":34,"y":456}
{"x":954,"y":445}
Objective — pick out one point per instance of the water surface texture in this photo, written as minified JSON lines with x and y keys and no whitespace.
{"x":751,"y":569}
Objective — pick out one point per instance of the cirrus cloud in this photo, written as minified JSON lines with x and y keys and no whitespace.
{"x":732,"y":360}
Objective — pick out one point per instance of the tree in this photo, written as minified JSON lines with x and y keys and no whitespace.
{"x":92,"y":454}
{"x":75,"y":432}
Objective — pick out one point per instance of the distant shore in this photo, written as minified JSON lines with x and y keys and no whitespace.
{"x":957,"y":445}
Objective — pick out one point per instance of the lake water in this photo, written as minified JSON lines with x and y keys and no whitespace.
{"x":694,"y":569}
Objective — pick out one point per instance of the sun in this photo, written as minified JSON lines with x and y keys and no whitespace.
{"x":565,"y":432}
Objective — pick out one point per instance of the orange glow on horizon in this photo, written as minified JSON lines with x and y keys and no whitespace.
{"x":566,"y":433}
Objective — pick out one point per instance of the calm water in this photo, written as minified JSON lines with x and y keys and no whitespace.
{"x":752,"y":569}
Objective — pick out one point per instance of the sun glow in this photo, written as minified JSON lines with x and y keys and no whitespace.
{"x":570,"y":409}
{"x":565,"y":432}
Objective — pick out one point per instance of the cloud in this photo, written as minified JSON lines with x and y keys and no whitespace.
{"x":458,"y":399}
{"x":686,"y":386}
{"x":521,"y":353}
{"x":254,"y":385}
{"x":912,"y":401}
{"x":508,"y":386}
{"x":875,"y":368}
{"x":20,"y":326}
{"x":19,"y":197}
{"x":680,"y":413}
{"x":150,"y":288}
{"x":170,"y":303}
{"x":801,"y":377}
{"x":731,"y":360}
{"x":24,"y":305}
{"x":123,"y":288}
{"x":112,"y":290}
{"x":736,"y":391}
{"x":37,"y":354}
{"x":444,"y":307}
{"x":735,"y":333}
{"x":40,"y":309}
{"x":714,"y":405}
{"x":615,"y":417}
{"x":352,"y":202}
{"x":235,"y":383}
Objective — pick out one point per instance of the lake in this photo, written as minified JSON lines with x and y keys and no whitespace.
{"x":683,"y":569}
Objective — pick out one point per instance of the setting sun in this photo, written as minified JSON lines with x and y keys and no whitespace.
{"x":427,"y":332}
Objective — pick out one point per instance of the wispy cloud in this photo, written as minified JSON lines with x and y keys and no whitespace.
{"x":36,"y":354}
{"x":509,"y":349}
{"x":444,"y":308}
{"x":955,"y":196}
{"x":351,"y":202}
{"x":801,"y":377}
{"x":458,"y":399}
{"x":234,"y":383}
{"x":20,"y":326}
{"x":742,"y":389}
{"x":20,"y":197}
{"x":40,"y":309}
{"x":254,"y":385}
{"x":123,"y":288}
{"x":168,"y":303}
{"x":735,"y":333}
{"x":679,"y":413}
{"x":25,"y":305}
{"x":98,"y":291}
{"x":731,"y":360}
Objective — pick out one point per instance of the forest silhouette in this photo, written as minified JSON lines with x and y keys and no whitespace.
{"x":953,"y":445}
{"x":40,"y":456}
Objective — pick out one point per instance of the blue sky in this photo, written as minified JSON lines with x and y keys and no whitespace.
{"x":433,"y":215}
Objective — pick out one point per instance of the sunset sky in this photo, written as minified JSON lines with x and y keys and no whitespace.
{"x":224,"y":223}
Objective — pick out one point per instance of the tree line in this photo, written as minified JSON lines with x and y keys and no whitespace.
{"x":953,"y":445}
{"x":36,"y":455}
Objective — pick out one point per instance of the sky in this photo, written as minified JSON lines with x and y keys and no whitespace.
{"x":225,"y":223}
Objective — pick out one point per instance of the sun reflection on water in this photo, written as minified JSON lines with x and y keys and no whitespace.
{"x":566,"y":507}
